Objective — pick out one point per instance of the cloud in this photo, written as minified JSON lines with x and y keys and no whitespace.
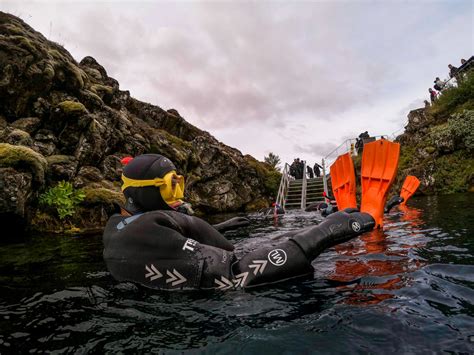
{"x":292,"y":73}
{"x":316,"y":148}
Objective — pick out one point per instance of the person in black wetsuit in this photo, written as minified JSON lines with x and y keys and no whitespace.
{"x":154,"y":244}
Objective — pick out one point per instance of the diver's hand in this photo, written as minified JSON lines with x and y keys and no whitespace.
{"x":337,"y":228}
{"x":394,"y":201}
{"x":232,"y":223}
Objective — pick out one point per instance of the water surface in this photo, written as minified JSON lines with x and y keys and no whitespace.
{"x":409,"y":288}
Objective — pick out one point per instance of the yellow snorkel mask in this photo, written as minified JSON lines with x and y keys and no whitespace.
{"x":171,"y":186}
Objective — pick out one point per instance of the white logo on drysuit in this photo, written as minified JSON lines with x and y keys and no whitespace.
{"x":240,"y":279}
{"x":224,"y":283}
{"x":189,"y":244}
{"x":175,"y":277}
{"x":277,"y":257}
{"x":355,"y":226}
{"x":258,"y":266}
{"x":153,"y":272}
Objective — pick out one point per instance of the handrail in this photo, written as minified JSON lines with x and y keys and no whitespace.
{"x":284,"y":182}
{"x":325,"y":179}
{"x":303,"y":187}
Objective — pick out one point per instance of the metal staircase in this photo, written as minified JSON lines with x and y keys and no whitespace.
{"x":300,"y":193}
{"x":295,"y":197}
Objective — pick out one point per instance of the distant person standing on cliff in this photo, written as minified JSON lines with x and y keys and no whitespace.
{"x":439,"y":84}
{"x":317,"y":170}
{"x":452,"y":71}
{"x":433,"y":95}
{"x":300,"y":168}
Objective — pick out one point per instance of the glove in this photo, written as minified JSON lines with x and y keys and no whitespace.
{"x":337,"y":228}
{"x":394,"y":201}
{"x":232,"y":223}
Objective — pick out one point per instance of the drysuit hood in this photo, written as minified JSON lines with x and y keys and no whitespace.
{"x":150,"y":183}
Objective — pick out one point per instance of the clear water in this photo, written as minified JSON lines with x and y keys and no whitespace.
{"x":407,"y":289}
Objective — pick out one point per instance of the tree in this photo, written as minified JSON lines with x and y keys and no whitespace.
{"x":273,"y":160}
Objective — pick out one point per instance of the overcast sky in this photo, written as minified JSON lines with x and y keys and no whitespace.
{"x":293,"y":78}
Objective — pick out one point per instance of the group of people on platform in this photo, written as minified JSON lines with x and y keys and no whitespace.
{"x":297,"y":169}
{"x":359,"y":145}
{"x":454,"y":72}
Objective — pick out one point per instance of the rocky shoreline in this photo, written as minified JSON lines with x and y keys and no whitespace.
{"x":66,"y":121}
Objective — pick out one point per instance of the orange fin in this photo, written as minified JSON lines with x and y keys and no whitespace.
{"x":343,"y":182}
{"x":379,"y":168}
{"x":409,"y":188}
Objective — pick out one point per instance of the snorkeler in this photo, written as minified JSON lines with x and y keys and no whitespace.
{"x":409,"y":187}
{"x":153,"y":243}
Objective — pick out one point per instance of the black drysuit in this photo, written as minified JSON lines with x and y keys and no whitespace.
{"x":171,"y":250}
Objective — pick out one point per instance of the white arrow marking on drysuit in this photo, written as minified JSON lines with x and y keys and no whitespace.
{"x":175,"y":278}
{"x":258,"y":265}
{"x":153,"y":272}
{"x":240,"y":279}
{"x":225,"y":284}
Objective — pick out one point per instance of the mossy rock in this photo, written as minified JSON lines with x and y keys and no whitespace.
{"x":60,"y":159}
{"x":55,"y":54}
{"x":272,"y":182}
{"x":72,"y":108}
{"x":430,"y":150}
{"x":256,"y":205}
{"x":259,"y":167}
{"x":101,"y":89}
{"x":13,"y":30}
{"x":19,"y":137}
{"x":454,"y":172}
{"x":102,"y":196}
{"x":24,"y":43}
{"x":23,"y":157}
{"x":80,"y":75}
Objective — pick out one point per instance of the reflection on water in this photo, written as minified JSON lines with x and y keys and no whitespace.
{"x":380,"y":257}
{"x":408,"y":288}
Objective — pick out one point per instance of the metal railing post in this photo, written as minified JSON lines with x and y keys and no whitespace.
{"x":303,"y":188}
{"x":283,"y":188}
{"x":325,"y":182}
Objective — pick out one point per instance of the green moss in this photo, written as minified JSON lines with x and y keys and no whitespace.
{"x":48,"y":71}
{"x":256,"y":205}
{"x":13,"y":30}
{"x":20,"y":134}
{"x":77,"y":74}
{"x":101,"y":89}
{"x":23,"y":157}
{"x":59,"y":159}
{"x":259,"y":167}
{"x":272,"y":183}
{"x":458,"y":131}
{"x":55,"y":54}
{"x":24,"y":43}
{"x":270,"y":177}
{"x":430,"y":150}
{"x":454,"y":172}
{"x":102,"y":196}
{"x":72,"y":108}
{"x":176,"y":140}
{"x":407,"y":154}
